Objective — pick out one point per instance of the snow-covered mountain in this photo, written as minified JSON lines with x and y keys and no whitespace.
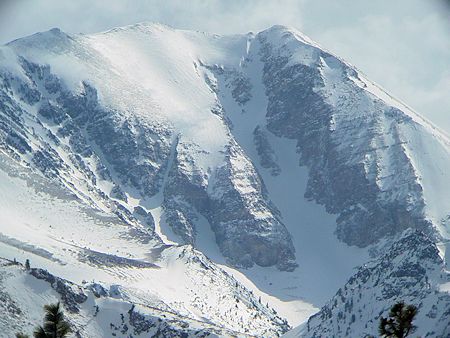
{"x":204,"y":179}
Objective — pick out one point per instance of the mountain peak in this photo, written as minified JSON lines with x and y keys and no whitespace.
{"x":284,"y":34}
{"x":49,"y":40}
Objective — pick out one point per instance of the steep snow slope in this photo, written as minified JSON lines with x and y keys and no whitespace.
{"x":324,"y":262}
{"x":264,"y":151}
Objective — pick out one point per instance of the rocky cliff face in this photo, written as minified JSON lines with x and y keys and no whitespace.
{"x":351,"y":140}
{"x":248,"y":229}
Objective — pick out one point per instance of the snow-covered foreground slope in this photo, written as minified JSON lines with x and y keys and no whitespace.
{"x":92,"y":309}
{"x":275,"y":159}
{"x":56,"y":231}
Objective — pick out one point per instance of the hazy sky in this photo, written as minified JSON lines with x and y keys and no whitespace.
{"x":404,"y":45}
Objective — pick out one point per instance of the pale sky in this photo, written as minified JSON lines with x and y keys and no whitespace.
{"x":403,"y":45}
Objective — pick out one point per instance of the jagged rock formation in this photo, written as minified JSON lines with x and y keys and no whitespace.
{"x":412,"y":271}
{"x":351,"y":140}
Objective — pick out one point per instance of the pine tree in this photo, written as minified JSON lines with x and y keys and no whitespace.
{"x":399,"y":323}
{"x":55,"y":326}
{"x":27,"y":264}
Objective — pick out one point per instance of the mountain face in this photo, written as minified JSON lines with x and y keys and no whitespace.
{"x":130,"y":148}
{"x":355,"y":145}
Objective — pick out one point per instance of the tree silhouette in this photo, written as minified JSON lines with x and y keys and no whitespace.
{"x":22,"y":335}
{"x":399,"y":323}
{"x":55,"y":325}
